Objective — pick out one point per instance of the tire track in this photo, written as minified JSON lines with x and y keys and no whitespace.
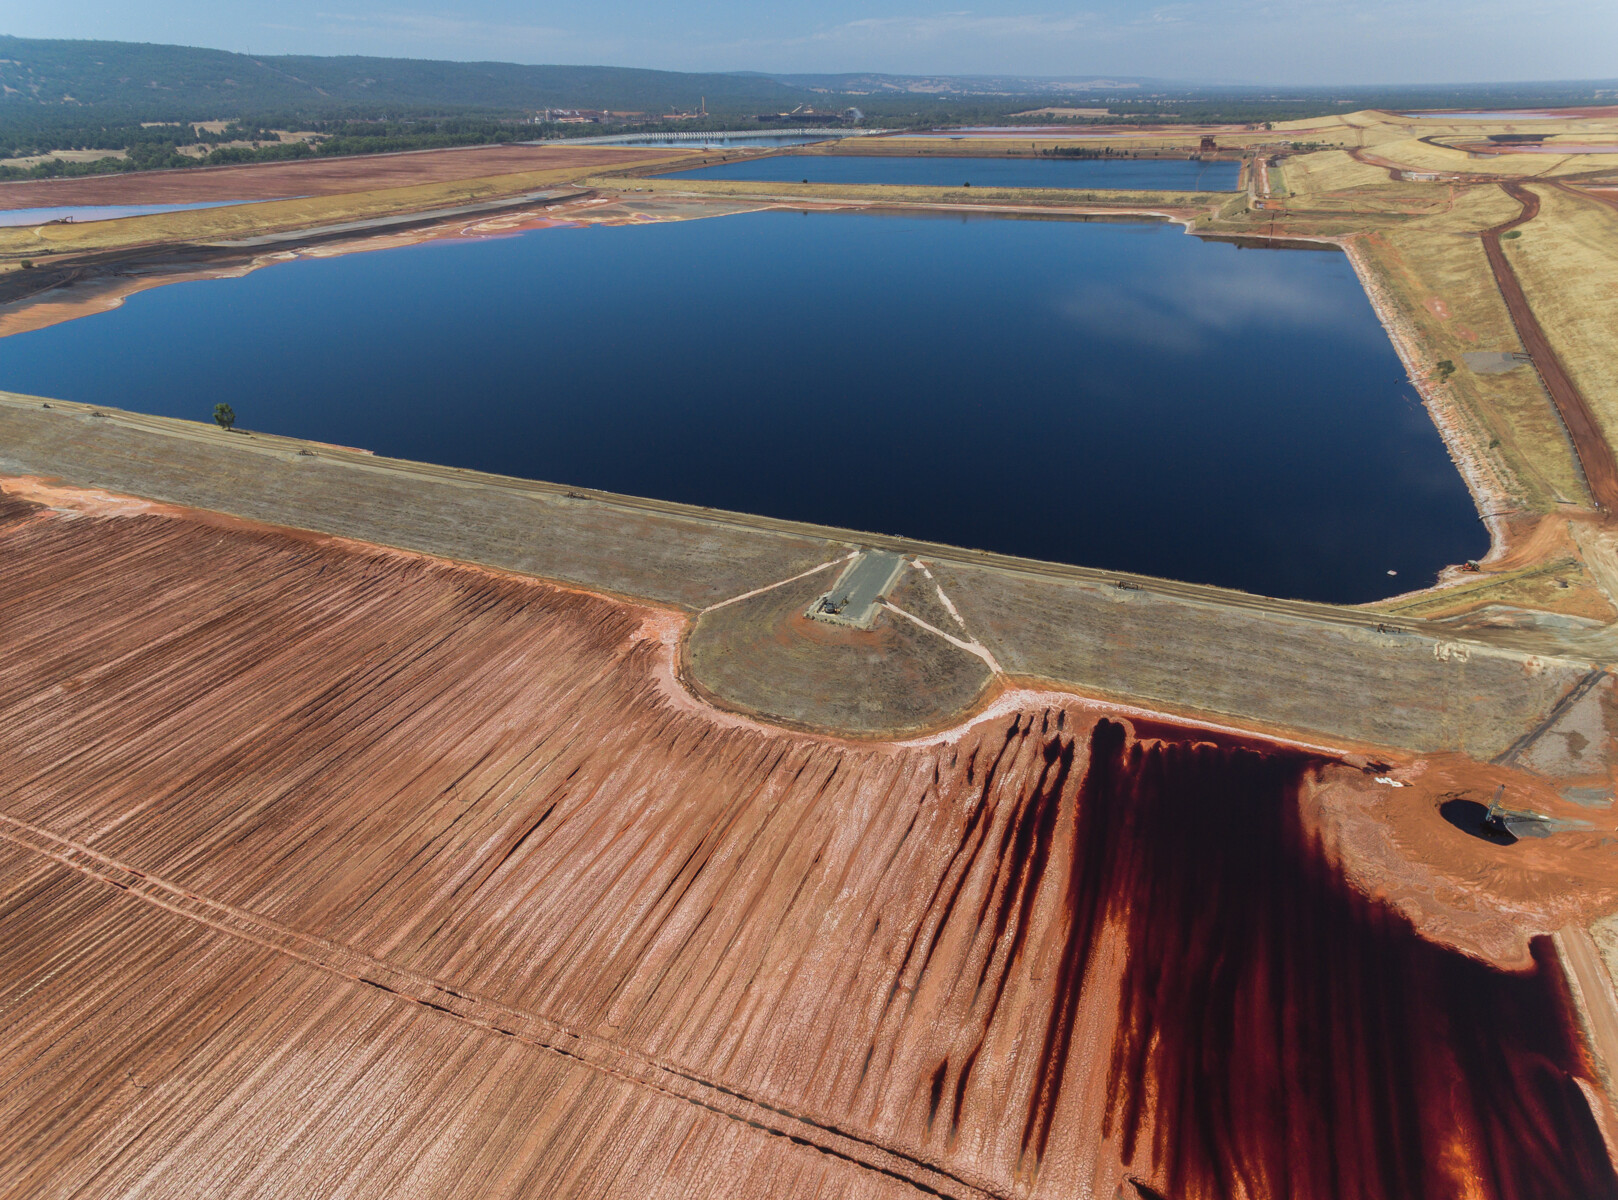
{"x":596,"y":1053}
{"x":1590,"y":445}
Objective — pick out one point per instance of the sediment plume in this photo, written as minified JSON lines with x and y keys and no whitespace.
{"x":329,"y":869}
{"x":1281,"y":1034}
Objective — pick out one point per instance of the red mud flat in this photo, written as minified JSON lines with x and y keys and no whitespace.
{"x":315,"y":176}
{"x":332,"y":870}
{"x":1396,"y":842}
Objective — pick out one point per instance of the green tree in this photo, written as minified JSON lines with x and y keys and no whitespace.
{"x":225,"y":415}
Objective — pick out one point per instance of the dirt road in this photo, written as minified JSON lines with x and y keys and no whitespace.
{"x":1601,"y":195}
{"x":1589,"y":442}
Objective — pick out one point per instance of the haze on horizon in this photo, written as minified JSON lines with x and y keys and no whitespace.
{"x":1322,"y":42}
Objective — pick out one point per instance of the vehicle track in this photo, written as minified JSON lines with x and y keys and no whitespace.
{"x":587,"y":1050}
{"x":1590,"y":445}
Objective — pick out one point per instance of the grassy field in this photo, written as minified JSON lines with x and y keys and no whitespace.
{"x":1331,"y":171}
{"x":1567,"y":261}
{"x":236,"y":221}
{"x":1426,"y":156}
{"x":1155,"y":201}
{"x":1510,"y":423}
{"x":1560,"y":583}
{"x":1456,"y":308}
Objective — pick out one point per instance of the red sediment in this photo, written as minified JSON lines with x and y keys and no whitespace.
{"x":14,"y":508}
{"x":1589,"y":443}
{"x":325,"y":868}
{"x":1281,"y":1034}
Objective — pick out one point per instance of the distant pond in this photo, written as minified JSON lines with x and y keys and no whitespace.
{"x":1117,"y":396}
{"x":99,"y":212}
{"x":746,"y":141}
{"x":1137,"y":174}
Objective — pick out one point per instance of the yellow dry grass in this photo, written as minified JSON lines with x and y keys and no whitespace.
{"x":1418,"y":155}
{"x":1474,"y":207}
{"x":1567,"y":260}
{"x":73,"y":156}
{"x":1343,"y":122}
{"x":1561,"y":584}
{"x":1332,"y":181}
{"x":1445,"y":295}
{"x":1331,"y":171}
{"x":900,"y":194}
{"x":1362,"y":128}
{"x":1378,"y":130}
{"x":999,"y":147}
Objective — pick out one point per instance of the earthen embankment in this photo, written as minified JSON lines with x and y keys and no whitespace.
{"x":1338,"y":674}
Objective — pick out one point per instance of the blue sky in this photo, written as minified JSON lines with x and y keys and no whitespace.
{"x":1256,"y":41}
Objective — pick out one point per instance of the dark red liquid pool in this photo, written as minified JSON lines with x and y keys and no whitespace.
{"x":1282,"y":1035}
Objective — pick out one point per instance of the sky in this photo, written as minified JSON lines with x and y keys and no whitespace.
{"x":1233,"y":41}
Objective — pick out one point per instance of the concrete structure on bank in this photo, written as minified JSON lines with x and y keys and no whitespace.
{"x":1339,"y":676}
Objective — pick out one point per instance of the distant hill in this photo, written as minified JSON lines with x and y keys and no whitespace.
{"x":976,"y":85}
{"x":183,"y":82}
{"x":75,"y":85}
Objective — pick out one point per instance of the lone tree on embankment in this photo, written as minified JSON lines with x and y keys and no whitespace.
{"x":225,"y":415}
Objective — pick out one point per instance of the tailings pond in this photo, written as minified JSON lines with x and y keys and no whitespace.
{"x":1112,"y":395}
{"x":1132,"y":174}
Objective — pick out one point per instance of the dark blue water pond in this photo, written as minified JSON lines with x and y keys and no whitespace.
{"x":1151,"y":174}
{"x":1120,"y":396}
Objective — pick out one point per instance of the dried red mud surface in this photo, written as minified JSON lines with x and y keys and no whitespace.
{"x":328,"y":870}
{"x":313,"y":176}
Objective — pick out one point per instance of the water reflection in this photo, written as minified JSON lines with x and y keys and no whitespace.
{"x":1119,"y":396}
{"x":1186,"y":314}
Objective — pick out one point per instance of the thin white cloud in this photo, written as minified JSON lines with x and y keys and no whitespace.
{"x":1169,"y":14}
